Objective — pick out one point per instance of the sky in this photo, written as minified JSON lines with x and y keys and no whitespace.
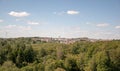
{"x":98,"y":19}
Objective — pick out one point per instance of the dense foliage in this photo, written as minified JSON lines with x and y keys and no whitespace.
{"x":24,"y":54}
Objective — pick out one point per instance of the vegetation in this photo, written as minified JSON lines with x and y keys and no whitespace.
{"x":24,"y":54}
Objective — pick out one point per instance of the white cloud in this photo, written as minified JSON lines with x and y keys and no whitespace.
{"x":16,"y":27}
{"x":18,"y":14}
{"x":72,"y":12}
{"x":102,"y":25}
{"x":59,"y":13}
{"x":1,"y":20}
{"x":25,"y":27}
{"x":10,"y":26}
{"x":33,"y":23}
{"x":117,"y":27}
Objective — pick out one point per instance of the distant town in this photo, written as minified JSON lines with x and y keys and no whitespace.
{"x":65,"y":40}
{"x":60,"y":40}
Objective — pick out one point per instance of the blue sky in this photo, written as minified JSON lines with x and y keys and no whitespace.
{"x":66,"y":18}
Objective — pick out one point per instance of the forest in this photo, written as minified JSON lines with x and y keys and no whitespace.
{"x":24,"y":54}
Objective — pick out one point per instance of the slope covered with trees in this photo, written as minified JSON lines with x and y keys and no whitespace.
{"x":22,"y":54}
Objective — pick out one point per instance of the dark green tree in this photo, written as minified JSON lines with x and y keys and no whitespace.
{"x":29,"y":54}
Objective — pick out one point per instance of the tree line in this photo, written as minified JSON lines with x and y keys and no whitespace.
{"x":24,"y":54}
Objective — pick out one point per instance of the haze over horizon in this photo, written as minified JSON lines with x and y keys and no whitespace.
{"x":99,"y":19}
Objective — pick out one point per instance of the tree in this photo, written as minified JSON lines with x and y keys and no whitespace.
{"x":70,"y":64}
{"x":115,"y":59}
{"x":75,"y":48}
{"x":59,"y":53}
{"x":103,"y":61}
{"x":9,"y":66}
{"x":41,"y":53}
{"x":2,"y":56}
{"x":80,"y":61}
{"x":60,"y":69}
{"x":91,"y":65}
{"x":29,"y":54}
{"x":19,"y":61}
